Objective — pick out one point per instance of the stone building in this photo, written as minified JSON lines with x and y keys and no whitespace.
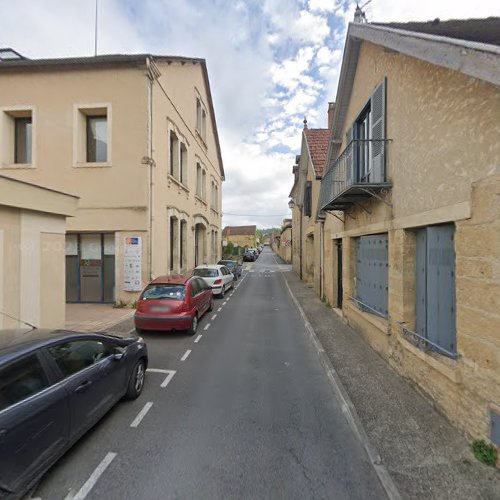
{"x":410,"y":208}
{"x":242,"y":237}
{"x":307,"y":235}
{"x":135,"y":137}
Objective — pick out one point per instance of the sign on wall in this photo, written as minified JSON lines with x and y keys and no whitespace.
{"x":132,"y":261}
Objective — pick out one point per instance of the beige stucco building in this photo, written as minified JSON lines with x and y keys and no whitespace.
{"x":32,"y":243}
{"x":282,"y":244}
{"x":410,"y":204}
{"x":135,"y":138}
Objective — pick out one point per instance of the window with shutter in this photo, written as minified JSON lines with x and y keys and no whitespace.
{"x":377,"y":133}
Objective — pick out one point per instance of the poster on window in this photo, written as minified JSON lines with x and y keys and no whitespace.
{"x":132,"y":259}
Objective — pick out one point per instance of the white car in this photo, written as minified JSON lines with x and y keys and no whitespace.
{"x":218,"y":277}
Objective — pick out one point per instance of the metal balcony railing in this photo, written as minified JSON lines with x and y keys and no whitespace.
{"x":360,"y":166}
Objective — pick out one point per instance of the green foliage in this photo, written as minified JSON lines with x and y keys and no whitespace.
{"x":228,"y":249}
{"x":120,"y":304}
{"x":486,"y":453}
{"x":134,"y":305}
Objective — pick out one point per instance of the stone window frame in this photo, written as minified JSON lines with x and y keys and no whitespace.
{"x":81,"y":111}
{"x":201,"y":118}
{"x":8,"y":114}
{"x":180,"y":175}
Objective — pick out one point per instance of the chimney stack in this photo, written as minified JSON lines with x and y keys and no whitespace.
{"x":331,"y":110}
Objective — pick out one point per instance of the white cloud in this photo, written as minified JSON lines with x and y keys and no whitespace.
{"x":323,"y":5}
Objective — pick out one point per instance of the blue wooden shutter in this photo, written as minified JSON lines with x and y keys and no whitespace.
{"x":421,"y":283}
{"x":377,"y":133}
{"x":441,"y":328}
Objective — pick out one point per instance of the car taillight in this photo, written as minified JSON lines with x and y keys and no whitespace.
{"x":217,"y":282}
{"x":185,"y":305}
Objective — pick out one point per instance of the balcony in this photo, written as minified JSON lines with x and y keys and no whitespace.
{"x":358,"y":173}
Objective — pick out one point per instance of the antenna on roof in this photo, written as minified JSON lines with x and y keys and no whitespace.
{"x":359,"y":13}
{"x":95,"y":32}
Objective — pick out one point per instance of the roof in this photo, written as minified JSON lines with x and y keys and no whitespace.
{"x":317,"y":140}
{"x":456,"y":45}
{"x":474,"y":30}
{"x":209,"y":266}
{"x":174,"y":280}
{"x":239,"y":231}
{"x":140,"y":61}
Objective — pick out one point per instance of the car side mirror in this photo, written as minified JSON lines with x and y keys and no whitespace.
{"x":118,"y":353}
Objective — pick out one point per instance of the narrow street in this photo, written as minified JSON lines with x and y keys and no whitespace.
{"x":248,"y":413}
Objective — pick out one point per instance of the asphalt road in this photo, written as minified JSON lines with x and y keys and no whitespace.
{"x":248,"y":413}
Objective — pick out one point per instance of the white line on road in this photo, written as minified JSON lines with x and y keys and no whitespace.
{"x":214,"y":316}
{"x":94,"y":477}
{"x":170,"y":375}
{"x":225,"y":302}
{"x":141,"y":414}
{"x":186,"y":354}
{"x":198,"y":339}
{"x":207,"y":326}
{"x":220,"y":309}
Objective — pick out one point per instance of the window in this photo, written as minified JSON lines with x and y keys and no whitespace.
{"x":308,"y":199}
{"x":182,"y":256}
{"x":198,"y":180}
{"x":167,"y":291}
{"x":21,"y":380}
{"x":363,"y":134}
{"x":206,"y":273}
{"x":183,"y":168}
{"x":92,"y":135}
{"x":435,"y":286}
{"x":77,"y":355}
{"x":195,"y":287}
{"x":174,"y":155}
{"x":372,"y":272}
{"x":201,"y":119}
{"x":204,"y":184}
{"x":97,"y":139}
{"x":23,"y":140}
{"x":174,"y":242}
{"x":17,"y":136}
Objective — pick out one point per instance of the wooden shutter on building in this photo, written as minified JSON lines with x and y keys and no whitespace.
{"x":377,"y":133}
{"x":435,"y":307}
{"x":308,"y":199}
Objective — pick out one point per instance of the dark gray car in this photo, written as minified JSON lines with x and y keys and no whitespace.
{"x":233,"y":265}
{"x":54,"y":386}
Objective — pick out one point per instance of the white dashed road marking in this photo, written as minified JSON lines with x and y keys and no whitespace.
{"x":141,"y":414}
{"x":207,"y":326}
{"x":198,"y":339}
{"x":220,"y":309}
{"x":214,"y":316}
{"x":186,"y":354}
{"x":94,"y":477}
{"x":170,"y":375}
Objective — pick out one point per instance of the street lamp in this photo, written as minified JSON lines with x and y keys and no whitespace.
{"x":291,"y":204}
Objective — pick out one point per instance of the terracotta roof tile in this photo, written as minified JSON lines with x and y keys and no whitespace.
{"x":239,"y":230}
{"x":317,"y":142}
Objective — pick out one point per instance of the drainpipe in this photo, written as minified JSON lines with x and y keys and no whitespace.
{"x":300,"y":240}
{"x":150,"y":162}
{"x":321,"y":257}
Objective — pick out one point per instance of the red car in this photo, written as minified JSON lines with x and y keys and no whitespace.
{"x":173,"y":303}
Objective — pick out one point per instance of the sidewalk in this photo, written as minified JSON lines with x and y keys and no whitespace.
{"x":96,"y":317}
{"x":425,"y":455}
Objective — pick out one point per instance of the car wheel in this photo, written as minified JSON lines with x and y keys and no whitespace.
{"x":194,"y":325}
{"x":223,"y":291}
{"x":136,"y":382}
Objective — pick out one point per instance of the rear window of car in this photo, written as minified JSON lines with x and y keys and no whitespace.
{"x":206,"y":273}
{"x":164,"y":292}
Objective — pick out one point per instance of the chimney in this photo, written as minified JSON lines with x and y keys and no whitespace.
{"x":331,"y":110}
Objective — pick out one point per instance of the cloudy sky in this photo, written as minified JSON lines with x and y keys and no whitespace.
{"x":270,"y":62}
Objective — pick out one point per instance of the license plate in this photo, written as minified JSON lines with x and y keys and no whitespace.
{"x":160,"y":309}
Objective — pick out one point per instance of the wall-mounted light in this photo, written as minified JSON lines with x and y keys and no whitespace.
{"x":291,"y":204}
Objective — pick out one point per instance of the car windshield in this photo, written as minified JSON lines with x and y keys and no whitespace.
{"x":206,"y":273}
{"x":227,"y":263}
{"x":164,"y":292}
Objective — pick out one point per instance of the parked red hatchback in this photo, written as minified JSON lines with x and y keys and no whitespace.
{"x":173,"y":303}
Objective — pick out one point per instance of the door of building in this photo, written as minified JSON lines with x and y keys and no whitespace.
{"x":340,"y":291}
{"x":90,"y":267}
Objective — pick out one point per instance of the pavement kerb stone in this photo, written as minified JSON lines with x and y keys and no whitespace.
{"x":348,"y":408}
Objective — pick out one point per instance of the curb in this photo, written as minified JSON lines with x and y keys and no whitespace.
{"x":348,"y":408}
